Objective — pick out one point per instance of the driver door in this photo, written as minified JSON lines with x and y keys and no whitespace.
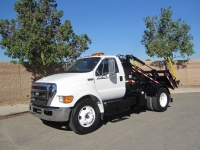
{"x":109,"y":87}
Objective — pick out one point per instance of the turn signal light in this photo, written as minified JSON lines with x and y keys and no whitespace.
{"x":66,"y":99}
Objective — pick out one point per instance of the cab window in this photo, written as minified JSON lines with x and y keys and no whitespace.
{"x":102,"y":69}
{"x":83,"y":65}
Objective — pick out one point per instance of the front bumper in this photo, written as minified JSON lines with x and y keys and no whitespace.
{"x":50,"y":113}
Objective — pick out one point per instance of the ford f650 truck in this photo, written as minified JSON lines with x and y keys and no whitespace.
{"x":98,"y":85}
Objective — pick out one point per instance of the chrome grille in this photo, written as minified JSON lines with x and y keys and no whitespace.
{"x":42,"y":93}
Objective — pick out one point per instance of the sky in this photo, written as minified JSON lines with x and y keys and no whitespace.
{"x":116,"y":26}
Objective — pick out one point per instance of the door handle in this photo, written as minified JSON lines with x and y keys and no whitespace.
{"x":120,"y":78}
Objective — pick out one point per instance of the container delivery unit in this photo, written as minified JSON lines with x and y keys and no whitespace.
{"x":95,"y":86}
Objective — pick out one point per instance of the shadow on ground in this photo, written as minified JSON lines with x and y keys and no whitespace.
{"x":121,"y":115}
{"x":57,"y":125}
{"x":112,"y":118}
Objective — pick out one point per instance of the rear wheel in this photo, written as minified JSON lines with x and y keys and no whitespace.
{"x":85,"y":117}
{"x":161,"y":102}
{"x":149,"y":103}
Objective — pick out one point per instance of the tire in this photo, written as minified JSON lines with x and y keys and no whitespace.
{"x":149,"y":103}
{"x":85,"y":117}
{"x":161,"y":102}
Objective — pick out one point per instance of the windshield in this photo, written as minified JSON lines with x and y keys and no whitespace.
{"x":83,"y":65}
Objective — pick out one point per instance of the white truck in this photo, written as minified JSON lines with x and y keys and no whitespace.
{"x":98,"y":85}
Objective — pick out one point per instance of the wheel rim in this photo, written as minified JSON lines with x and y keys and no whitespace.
{"x":86,"y":116}
{"x":163,"y":99}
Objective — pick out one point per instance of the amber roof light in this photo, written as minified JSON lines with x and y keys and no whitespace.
{"x":98,"y":54}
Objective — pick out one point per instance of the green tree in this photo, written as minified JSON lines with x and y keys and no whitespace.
{"x":167,"y":38}
{"x":148,"y":59}
{"x":37,"y":35}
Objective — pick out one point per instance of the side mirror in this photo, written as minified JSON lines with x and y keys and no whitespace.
{"x":111,"y":67}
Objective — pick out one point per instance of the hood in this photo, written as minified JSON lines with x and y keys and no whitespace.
{"x":65,"y":77}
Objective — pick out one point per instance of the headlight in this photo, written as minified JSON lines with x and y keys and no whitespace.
{"x":52,"y":90}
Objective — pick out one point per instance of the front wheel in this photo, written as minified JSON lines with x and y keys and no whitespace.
{"x":161,"y":102}
{"x":85,"y":117}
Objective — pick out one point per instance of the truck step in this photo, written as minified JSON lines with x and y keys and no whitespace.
{"x":117,"y":112}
